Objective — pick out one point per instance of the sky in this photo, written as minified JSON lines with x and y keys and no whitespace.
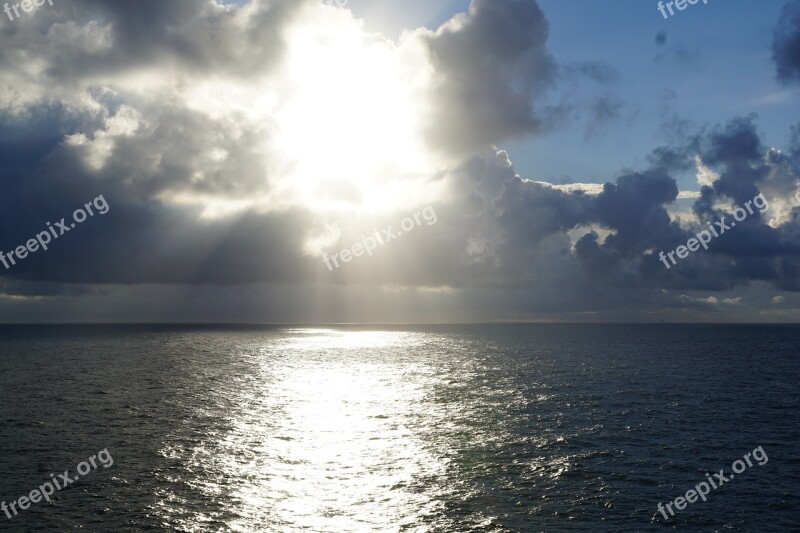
{"x":304,"y":161}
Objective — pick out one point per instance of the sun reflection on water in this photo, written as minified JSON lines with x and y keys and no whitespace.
{"x":324,"y":438}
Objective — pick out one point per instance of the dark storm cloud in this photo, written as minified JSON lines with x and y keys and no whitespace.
{"x":634,"y":208}
{"x":140,"y":244}
{"x":633,"y":215}
{"x":24,"y":143}
{"x":139,"y":239}
{"x":497,"y":230}
{"x":491,"y":64}
{"x":755,"y":250}
{"x":786,"y":43}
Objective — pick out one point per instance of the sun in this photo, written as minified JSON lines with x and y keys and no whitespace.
{"x":343,"y":117}
{"x":350,"y":131}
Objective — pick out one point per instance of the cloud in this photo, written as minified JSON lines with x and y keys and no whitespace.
{"x":495,"y":228}
{"x":177,"y":115}
{"x":491,"y":65}
{"x":601,"y":112}
{"x":600,"y":73}
{"x":678,"y":54}
{"x":786,"y":43}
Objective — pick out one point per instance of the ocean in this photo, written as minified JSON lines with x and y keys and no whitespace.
{"x":543,"y":427}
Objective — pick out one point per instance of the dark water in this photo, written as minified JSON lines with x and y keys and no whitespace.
{"x":469,"y":428}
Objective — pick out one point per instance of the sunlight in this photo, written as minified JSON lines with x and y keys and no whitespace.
{"x":343,"y":120}
{"x":350,"y":131}
{"x":318,"y":442}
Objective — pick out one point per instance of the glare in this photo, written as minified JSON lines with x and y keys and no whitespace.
{"x":343,"y":119}
{"x":350,"y":130}
{"x":319,"y":442}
